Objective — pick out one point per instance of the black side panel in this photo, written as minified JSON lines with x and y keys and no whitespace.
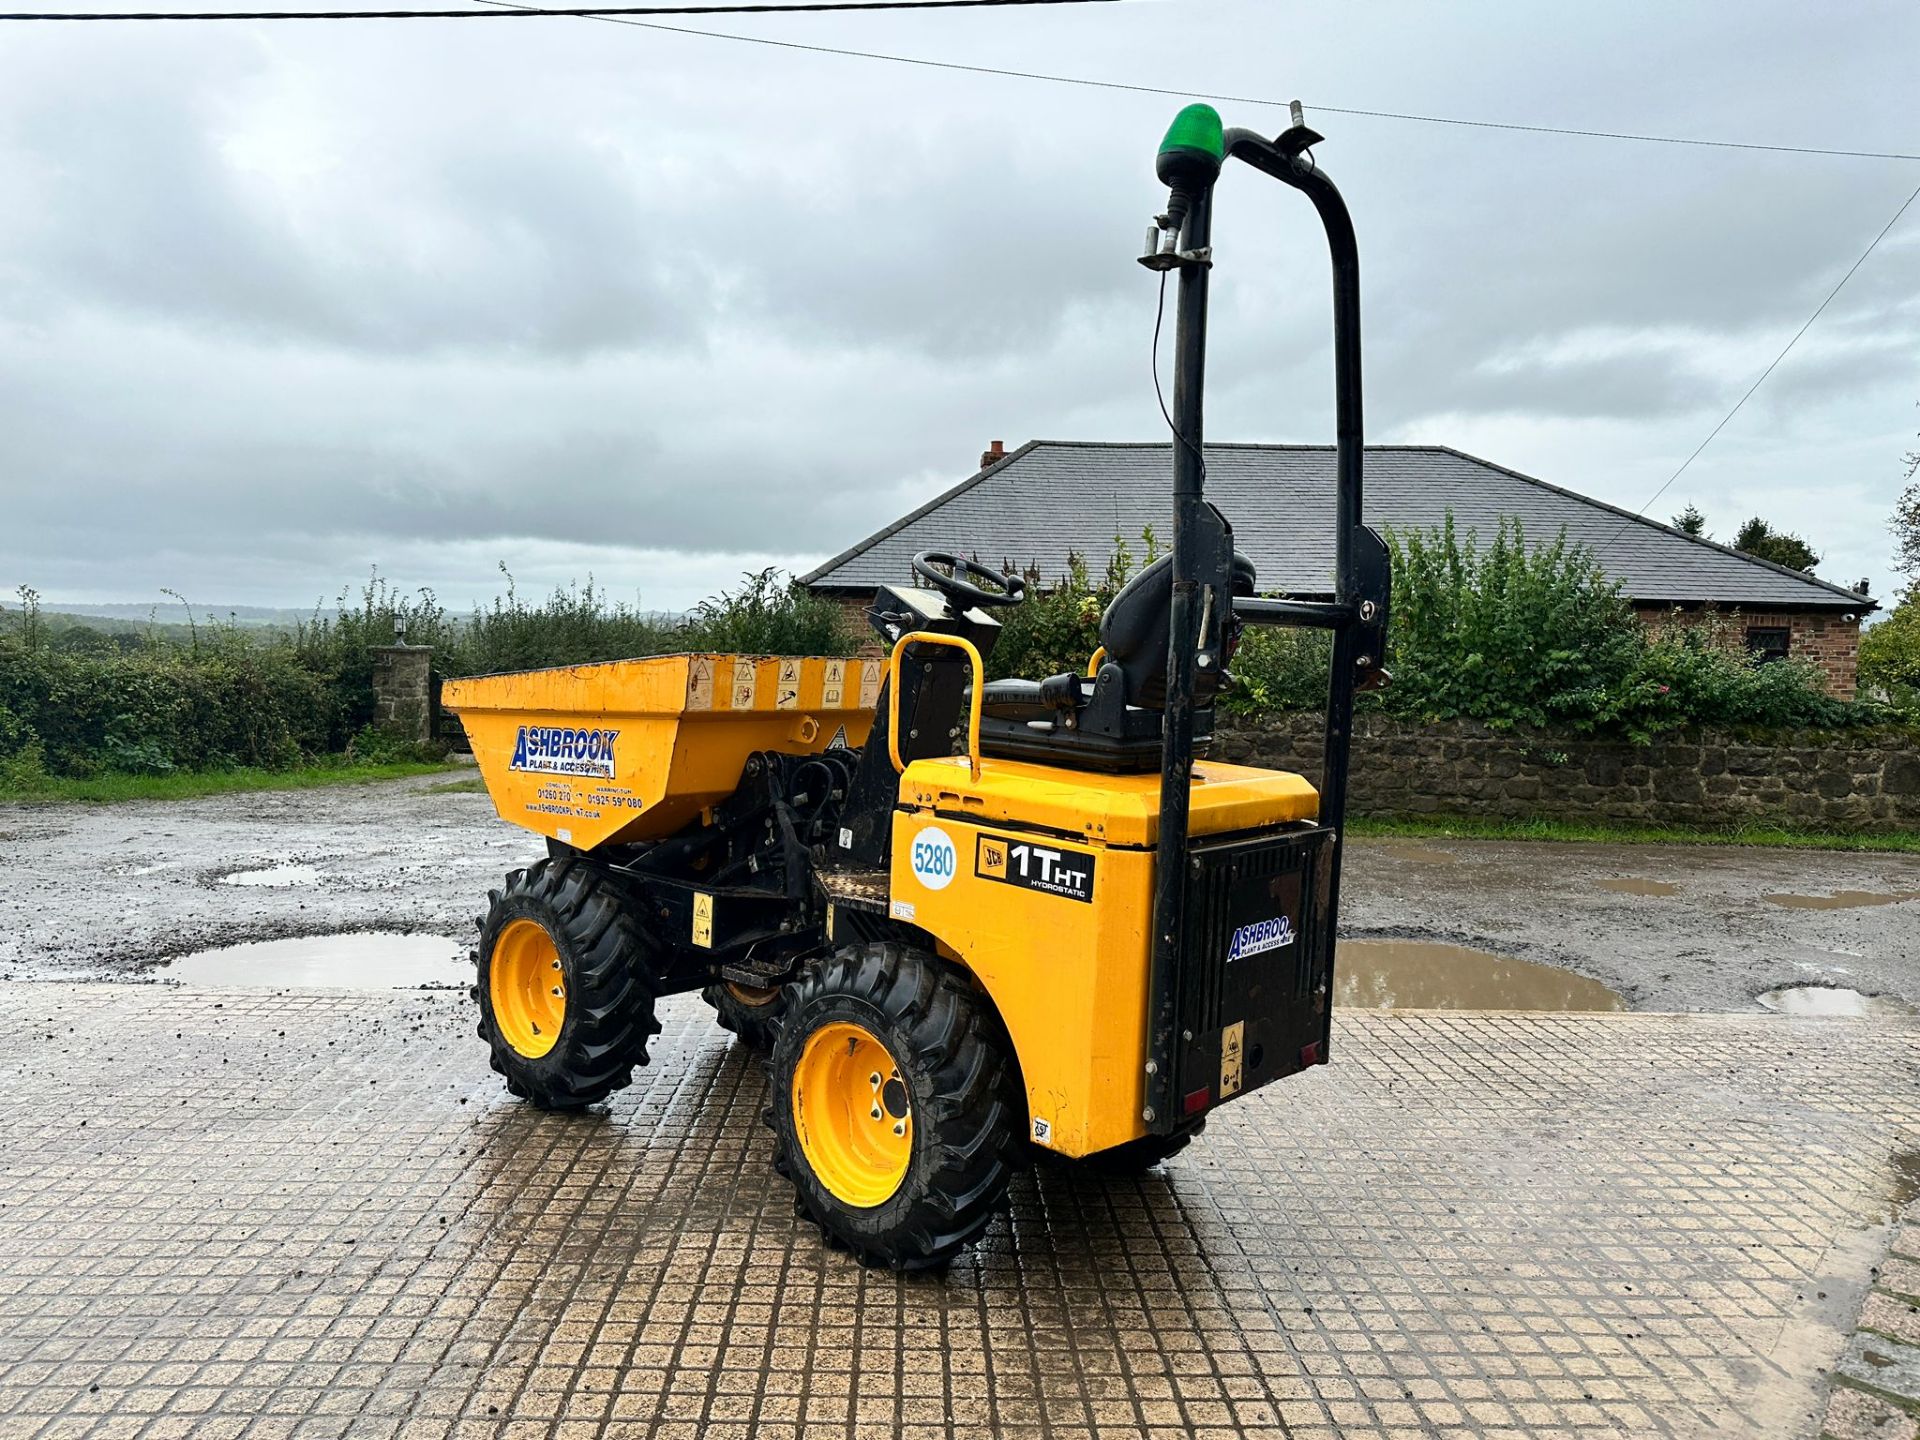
{"x":1257,"y":954}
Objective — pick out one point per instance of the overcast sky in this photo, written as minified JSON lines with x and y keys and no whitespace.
{"x":282,"y":302}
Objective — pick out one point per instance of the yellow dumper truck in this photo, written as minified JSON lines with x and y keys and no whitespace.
{"x":966,"y":917}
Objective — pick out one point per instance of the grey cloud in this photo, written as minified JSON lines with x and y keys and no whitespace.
{"x":290,"y":303}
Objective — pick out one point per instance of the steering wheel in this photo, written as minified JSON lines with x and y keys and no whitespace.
{"x":1007,"y":589}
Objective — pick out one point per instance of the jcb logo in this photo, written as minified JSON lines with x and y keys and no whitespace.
{"x":993,"y":858}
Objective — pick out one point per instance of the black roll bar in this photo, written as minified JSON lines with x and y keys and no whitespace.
{"x":1356,"y":616}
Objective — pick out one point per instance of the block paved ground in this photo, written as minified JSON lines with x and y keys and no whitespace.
{"x":317,"y":1214}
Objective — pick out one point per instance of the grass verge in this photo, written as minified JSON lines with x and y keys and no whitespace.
{"x":473,"y":786}
{"x":1775,"y":836}
{"x":187,"y":785}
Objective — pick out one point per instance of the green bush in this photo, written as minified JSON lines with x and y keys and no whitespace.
{"x":1503,"y":633}
{"x":1278,"y":669}
{"x":1058,"y":628}
{"x":72,"y":706}
{"x":22,"y":758}
{"x":766,"y":616}
{"x":231,"y":703}
{"x":575,"y":625}
{"x":1509,"y":636}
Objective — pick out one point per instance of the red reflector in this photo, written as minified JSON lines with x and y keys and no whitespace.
{"x":1311,"y":1055}
{"x":1196,"y":1101}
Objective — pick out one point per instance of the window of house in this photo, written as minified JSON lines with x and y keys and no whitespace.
{"x":1769,"y":642}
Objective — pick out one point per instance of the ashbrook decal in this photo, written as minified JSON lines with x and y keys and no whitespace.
{"x":1261,"y":936}
{"x":559,"y":750}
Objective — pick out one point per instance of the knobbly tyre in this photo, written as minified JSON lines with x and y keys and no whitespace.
{"x":966,"y":918}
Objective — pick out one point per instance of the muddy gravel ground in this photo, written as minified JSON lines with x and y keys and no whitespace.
{"x":117,"y":892}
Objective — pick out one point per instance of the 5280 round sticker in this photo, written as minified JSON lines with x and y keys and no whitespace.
{"x":934,"y":858}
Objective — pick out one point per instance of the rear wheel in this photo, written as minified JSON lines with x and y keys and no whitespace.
{"x":749,"y":1011}
{"x":896,"y":1112}
{"x":561,"y":972}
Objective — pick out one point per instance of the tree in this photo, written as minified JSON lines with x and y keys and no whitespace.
{"x":1763,"y":542}
{"x":1906,"y":529}
{"x":1691,"y":522}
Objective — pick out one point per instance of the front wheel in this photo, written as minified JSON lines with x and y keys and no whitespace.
{"x":896,"y":1110}
{"x":561,"y":970}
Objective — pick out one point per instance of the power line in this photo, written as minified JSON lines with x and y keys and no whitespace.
{"x":601,"y":12}
{"x":1641,"y":512}
{"x":621,"y":15}
{"x":1089,"y":82}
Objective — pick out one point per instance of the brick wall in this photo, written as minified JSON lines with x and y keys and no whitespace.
{"x":1831,"y":639}
{"x":1865,"y":780}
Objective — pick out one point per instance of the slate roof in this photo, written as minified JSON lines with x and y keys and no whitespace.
{"x":1050,"y":497}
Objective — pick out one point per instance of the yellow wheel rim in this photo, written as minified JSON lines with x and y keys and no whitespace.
{"x":528,"y":988}
{"x":851,"y":1109}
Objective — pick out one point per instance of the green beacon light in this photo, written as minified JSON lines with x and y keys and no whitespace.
{"x":1194,"y":147}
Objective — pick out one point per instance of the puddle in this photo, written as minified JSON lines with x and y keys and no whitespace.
{"x":1421,"y":854}
{"x":1841,"y":900}
{"x":1906,"y":1181}
{"x":1629,"y":885}
{"x":1830,"y":1000}
{"x":1424,"y":975}
{"x":276,"y":875}
{"x":377,"y":960}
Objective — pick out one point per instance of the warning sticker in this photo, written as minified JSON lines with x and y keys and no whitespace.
{"x":746,"y":677}
{"x":703,"y":920}
{"x":869,"y":683}
{"x":834,"y":689}
{"x":1046,"y":868}
{"x":700,"y":684}
{"x":1233,"y":1042}
{"x":787,"y":697}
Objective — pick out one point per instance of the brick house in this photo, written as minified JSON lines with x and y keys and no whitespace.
{"x":1029,"y":508}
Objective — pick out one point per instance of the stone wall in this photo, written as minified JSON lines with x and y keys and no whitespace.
{"x":1855,"y":780}
{"x":1831,"y":639}
{"x":403,"y":690}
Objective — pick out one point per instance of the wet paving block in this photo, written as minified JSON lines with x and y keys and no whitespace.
{"x":1902,"y":1276}
{"x":1855,"y":1415}
{"x":1873,"y":1362}
{"x":1892,"y":1316}
{"x":318,"y":1214}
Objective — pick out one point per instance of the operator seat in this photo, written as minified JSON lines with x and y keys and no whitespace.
{"x":1112,"y":720}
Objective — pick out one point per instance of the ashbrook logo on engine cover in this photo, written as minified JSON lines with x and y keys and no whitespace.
{"x":559,"y":750}
{"x":1261,"y":936}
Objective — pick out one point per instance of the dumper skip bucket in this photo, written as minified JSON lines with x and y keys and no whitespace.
{"x":633,"y":750}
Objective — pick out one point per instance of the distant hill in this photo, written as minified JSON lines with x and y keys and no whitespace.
{"x":171,"y":613}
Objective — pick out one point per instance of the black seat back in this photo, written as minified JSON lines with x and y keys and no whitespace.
{"x":1135,"y":627}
